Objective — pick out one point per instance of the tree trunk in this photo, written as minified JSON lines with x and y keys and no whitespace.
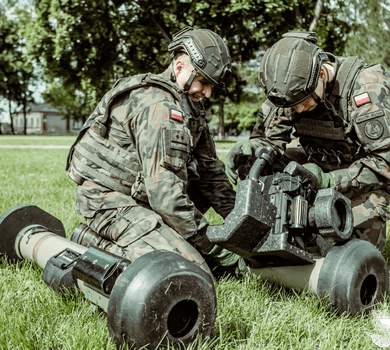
{"x":156,"y":23}
{"x":10,"y":118}
{"x":221,"y":126}
{"x":25,"y":98}
{"x":317,"y":14}
{"x":24,"y":117}
{"x":298,"y":15}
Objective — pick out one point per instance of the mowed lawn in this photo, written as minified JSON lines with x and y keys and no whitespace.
{"x":252,"y":314}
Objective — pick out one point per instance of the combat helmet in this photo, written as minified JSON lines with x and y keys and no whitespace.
{"x":208,"y":54}
{"x":290,"y":69}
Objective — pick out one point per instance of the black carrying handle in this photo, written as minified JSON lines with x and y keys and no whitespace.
{"x":265,"y":155}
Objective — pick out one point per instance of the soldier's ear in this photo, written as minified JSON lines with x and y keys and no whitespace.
{"x":323,"y":75}
{"x":178,"y":66}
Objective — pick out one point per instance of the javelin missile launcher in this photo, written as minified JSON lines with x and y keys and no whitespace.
{"x":292,"y":234}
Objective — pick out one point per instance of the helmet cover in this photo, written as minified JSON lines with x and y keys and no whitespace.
{"x":290,"y":69}
{"x":207,"y":52}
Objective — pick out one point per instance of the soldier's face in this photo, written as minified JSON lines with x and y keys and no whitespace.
{"x":200,"y":87}
{"x":307,"y":105}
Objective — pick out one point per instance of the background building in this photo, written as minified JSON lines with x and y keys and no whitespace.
{"x":43,"y":119}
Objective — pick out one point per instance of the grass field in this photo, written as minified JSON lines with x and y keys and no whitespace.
{"x":252,"y":314}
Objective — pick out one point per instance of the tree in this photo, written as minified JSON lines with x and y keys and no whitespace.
{"x":85,"y":45}
{"x":16,"y":74}
{"x":75,"y":43}
{"x":370,"y":34}
{"x":265,"y":26}
{"x":8,"y":37}
{"x":70,"y":102}
{"x":317,"y":14}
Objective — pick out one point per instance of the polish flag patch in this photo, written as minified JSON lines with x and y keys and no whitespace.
{"x":177,"y":115}
{"x":362,"y":99}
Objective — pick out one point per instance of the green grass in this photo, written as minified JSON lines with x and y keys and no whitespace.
{"x":38,"y":177}
{"x":227,"y":144}
{"x":67,"y":140}
{"x":58,"y":140}
{"x":252,"y":314}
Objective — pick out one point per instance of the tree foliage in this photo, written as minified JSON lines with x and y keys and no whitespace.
{"x":85,"y":45}
{"x":260,"y":29}
{"x":370,"y":31}
{"x":76,"y":43}
{"x":16,"y":73}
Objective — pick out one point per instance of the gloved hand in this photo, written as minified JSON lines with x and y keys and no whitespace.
{"x":324,"y":180}
{"x":219,"y":257}
{"x":200,"y":241}
{"x":240,"y":154}
{"x":229,"y":261}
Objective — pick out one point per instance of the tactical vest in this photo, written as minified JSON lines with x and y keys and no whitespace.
{"x":327,"y":132}
{"x":92,"y":151}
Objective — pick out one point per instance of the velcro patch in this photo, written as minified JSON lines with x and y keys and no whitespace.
{"x":373,"y":129}
{"x":176,"y":115}
{"x":362,"y":99}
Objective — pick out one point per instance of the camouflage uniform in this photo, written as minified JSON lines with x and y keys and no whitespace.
{"x":164,"y":177}
{"x":349,"y":137}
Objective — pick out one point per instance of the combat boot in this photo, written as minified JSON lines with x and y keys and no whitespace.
{"x":87,"y":237}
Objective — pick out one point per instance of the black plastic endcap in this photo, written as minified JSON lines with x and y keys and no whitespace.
{"x":17,"y":218}
{"x":161,"y":298}
{"x":354,"y":276}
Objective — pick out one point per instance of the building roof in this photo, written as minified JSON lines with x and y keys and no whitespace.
{"x":44,"y":108}
{"x":40,"y":108}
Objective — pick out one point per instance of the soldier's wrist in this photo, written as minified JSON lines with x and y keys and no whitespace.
{"x":342,"y":179}
{"x":200,"y":241}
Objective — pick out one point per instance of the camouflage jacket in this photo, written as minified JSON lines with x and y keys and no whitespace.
{"x":347,"y":135}
{"x":160,"y":148}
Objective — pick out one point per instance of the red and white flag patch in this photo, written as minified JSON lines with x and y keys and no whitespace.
{"x":362,"y":99}
{"x":177,"y":115}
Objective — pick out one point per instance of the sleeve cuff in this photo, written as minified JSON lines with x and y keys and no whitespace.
{"x":342,"y":179}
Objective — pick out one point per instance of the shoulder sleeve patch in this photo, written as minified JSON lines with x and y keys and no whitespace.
{"x":176,"y":115}
{"x":373,"y":130}
{"x":362,"y":99}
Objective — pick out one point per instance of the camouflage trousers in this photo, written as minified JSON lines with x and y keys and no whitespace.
{"x":370,"y":210}
{"x":137,"y":230}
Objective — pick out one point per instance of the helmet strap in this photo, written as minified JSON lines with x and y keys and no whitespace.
{"x":317,"y":98}
{"x":190,"y":108}
{"x":173,"y":76}
{"x":328,"y":105}
{"x":190,"y":80}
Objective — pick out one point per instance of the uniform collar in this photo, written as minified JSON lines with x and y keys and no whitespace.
{"x":330,"y":84}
